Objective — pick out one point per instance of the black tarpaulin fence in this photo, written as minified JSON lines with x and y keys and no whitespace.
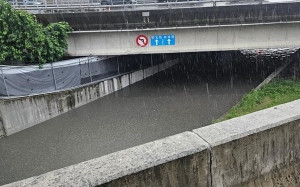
{"x":28,"y":80}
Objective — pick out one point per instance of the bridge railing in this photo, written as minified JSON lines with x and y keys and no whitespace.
{"x":54,"y":6}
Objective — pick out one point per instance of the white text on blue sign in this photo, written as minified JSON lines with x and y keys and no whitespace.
{"x":163,"y":40}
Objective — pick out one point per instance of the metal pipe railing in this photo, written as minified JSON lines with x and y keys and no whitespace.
{"x":91,"y":6}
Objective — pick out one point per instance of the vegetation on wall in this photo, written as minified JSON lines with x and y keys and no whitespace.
{"x":23,"y":39}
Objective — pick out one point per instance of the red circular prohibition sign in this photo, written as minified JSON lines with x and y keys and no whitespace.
{"x":142,"y":40}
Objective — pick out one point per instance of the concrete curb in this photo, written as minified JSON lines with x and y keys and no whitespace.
{"x":273,"y":75}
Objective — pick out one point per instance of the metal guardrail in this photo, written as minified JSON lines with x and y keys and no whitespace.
{"x":56,"y":7}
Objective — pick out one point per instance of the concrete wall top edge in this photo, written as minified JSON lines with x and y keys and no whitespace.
{"x":58,"y":92}
{"x":109,"y":167}
{"x":243,"y":126}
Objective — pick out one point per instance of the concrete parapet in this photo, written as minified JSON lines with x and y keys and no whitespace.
{"x":176,"y":17}
{"x":18,"y":113}
{"x":246,"y":148}
{"x":144,"y":165}
{"x":259,"y":149}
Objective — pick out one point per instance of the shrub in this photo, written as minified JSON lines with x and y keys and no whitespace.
{"x":23,"y":39}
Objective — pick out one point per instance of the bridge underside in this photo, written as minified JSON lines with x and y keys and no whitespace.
{"x":187,"y":39}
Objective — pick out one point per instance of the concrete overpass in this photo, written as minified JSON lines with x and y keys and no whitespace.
{"x":187,"y":39}
{"x":195,"y":29}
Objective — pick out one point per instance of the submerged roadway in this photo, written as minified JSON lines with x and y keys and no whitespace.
{"x":187,"y":96}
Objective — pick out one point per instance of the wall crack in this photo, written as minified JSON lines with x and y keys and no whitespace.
{"x":209,"y":147}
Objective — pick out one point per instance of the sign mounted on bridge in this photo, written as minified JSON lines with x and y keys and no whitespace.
{"x":142,"y":40}
{"x":163,"y":40}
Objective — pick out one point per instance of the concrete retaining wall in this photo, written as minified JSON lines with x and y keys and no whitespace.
{"x":19,"y":113}
{"x":259,"y":149}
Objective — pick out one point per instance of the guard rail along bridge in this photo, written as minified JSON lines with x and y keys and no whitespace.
{"x":173,"y":27}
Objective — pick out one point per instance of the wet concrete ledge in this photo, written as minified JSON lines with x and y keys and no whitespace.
{"x":19,"y":113}
{"x":246,"y":148}
{"x":245,"y":151}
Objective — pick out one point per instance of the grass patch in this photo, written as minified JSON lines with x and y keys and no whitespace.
{"x":275,"y":93}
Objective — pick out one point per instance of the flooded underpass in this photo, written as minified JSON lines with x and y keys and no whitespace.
{"x":201,"y":88}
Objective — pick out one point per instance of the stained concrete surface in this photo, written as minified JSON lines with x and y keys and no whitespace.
{"x":179,"y":99}
{"x":176,"y":17}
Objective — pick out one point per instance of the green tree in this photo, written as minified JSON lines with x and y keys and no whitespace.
{"x":23,"y":39}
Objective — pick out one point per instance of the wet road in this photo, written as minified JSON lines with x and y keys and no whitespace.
{"x":180,"y":99}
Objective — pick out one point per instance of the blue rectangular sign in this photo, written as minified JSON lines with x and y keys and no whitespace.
{"x":163,"y":40}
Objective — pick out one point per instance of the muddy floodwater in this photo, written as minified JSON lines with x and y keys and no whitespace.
{"x":183,"y":98}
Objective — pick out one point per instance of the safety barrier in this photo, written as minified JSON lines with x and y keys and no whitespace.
{"x":52,"y":6}
{"x":259,"y":149}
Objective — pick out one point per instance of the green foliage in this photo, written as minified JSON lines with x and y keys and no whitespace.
{"x":23,"y":39}
{"x":272,"y":94}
